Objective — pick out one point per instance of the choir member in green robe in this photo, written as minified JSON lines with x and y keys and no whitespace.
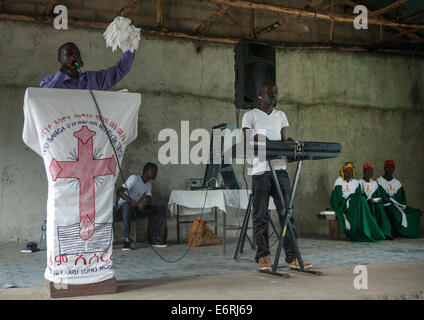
{"x":352,"y":209}
{"x":374,"y":194}
{"x":405,"y":220}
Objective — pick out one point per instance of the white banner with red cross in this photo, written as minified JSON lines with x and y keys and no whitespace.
{"x":65,"y":128}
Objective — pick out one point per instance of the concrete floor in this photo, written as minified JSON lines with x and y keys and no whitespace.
{"x":385,"y":281}
{"x":395,"y":270}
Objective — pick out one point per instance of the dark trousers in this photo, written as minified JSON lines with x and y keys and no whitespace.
{"x":126,"y":212}
{"x":263,"y":187}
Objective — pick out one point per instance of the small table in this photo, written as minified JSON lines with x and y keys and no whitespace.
{"x":333,"y":225}
{"x":191,"y":202}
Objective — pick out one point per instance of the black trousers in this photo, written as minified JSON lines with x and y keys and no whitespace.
{"x":263,"y":187}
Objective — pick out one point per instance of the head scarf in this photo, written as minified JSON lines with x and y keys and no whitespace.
{"x":387,"y":162}
{"x":348,"y":164}
{"x":367,"y":165}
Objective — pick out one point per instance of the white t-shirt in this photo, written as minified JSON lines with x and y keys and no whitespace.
{"x":368,"y":187}
{"x":136,"y":188}
{"x":256,"y":120}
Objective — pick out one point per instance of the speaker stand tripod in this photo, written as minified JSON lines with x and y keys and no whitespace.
{"x":286,"y":226}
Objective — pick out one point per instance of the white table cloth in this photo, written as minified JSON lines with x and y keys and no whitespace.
{"x":191,"y":202}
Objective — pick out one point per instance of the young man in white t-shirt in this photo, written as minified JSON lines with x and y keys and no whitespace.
{"x":274,"y":122}
{"x":132,"y":202}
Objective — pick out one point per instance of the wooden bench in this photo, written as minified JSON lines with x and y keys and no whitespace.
{"x":333,"y":225}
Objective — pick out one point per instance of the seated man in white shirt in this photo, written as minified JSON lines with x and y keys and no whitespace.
{"x":274,"y":122}
{"x":132,"y":202}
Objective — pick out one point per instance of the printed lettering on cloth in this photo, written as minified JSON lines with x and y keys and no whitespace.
{"x":64,"y":127}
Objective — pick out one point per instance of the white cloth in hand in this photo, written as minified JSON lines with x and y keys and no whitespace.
{"x":121,"y":33}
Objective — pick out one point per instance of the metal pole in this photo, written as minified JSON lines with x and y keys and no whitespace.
{"x":178,"y":223}
{"x":224,"y":216}
{"x":296,"y":179}
{"x":290,"y":213}
{"x":243,"y":234}
{"x":282,"y":215}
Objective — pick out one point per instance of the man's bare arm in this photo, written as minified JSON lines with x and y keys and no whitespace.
{"x":123,"y":196}
{"x":284,"y":135}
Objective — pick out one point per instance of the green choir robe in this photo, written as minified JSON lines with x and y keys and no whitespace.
{"x":405,"y":220}
{"x":371,"y":190}
{"x":353,"y":212}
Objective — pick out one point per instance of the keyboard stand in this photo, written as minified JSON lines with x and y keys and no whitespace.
{"x":243,"y":233}
{"x":287,"y":223}
{"x":284,"y":222}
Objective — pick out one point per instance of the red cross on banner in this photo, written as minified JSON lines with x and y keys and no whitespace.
{"x":85,"y":169}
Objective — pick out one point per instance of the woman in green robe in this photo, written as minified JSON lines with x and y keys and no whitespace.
{"x":352,"y":209}
{"x":374,"y":194}
{"x":405,"y":220}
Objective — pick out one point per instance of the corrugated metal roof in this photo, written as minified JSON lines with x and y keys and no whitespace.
{"x":412,"y":8}
{"x":408,"y":9}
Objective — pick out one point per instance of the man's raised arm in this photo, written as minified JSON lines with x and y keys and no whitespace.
{"x":106,"y":79}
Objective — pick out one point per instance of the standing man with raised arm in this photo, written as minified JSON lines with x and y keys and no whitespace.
{"x":68,"y":76}
{"x":274,"y":122}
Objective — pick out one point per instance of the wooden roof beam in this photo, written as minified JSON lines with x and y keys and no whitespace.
{"x":104,"y":25}
{"x":397,"y":35}
{"x":274,"y":26}
{"x":332,"y":2}
{"x":159,"y":14}
{"x":125,"y":10}
{"x":252,"y":34}
{"x":414,"y":17}
{"x":403,"y":31}
{"x":207,"y":24}
{"x":313,"y":4}
{"x":388,"y":8}
{"x":229,"y":16}
{"x":50,"y":7}
{"x":314,"y":15}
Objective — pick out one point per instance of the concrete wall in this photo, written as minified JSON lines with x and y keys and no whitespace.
{"x":372,"y":105}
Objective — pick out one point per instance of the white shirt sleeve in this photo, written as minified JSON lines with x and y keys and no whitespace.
{"x":247,"y":121}
{"x":129,"y":183}
{"x":284,"y":120}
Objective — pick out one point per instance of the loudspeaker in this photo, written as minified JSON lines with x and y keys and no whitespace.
{"x":254,"y":66}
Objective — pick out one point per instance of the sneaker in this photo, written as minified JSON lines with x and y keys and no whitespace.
{"x":264,"y":263}
{"x":127,"y":245}
{"x":295,"y":264}
{"x":155,"y":242}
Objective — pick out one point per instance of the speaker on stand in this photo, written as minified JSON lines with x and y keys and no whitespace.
{"x":254,"y":66}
